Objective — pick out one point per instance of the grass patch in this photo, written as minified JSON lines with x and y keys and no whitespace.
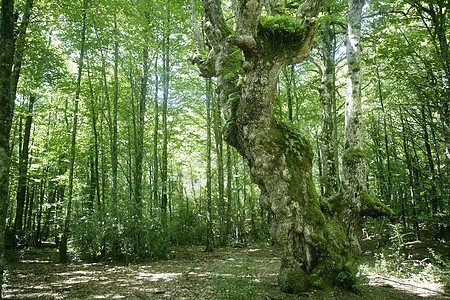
{"x":236,"y":278}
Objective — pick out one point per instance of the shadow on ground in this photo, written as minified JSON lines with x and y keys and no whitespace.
{"x":226,"y":273}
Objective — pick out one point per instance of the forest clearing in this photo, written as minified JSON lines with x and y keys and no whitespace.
{"x":243,"y":149}
{"x":191,"y":273}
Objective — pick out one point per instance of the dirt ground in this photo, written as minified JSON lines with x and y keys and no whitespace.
{"x":226,"y":273}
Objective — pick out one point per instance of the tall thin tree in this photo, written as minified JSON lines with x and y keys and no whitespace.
{"x":63,"y":257}
{"x":6,"y":112}
{"x":23,"y":169}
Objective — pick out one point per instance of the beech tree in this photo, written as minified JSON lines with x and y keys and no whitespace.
{"x":314,"y":233}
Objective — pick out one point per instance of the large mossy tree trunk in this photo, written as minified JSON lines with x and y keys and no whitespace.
{"x":313,"y":233}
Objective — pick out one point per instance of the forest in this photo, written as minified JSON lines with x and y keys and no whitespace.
{"x":224,"y":149}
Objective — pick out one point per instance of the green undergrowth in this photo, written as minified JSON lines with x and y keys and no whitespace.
{"x":392,"y":257}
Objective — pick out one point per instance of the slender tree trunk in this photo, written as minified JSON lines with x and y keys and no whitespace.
{"x":7,"y":20}
{"x":229,"y":192}
{"x":29,"y":212}
{"x":114,"y":161}
{"x":139,"y":155}
{"x":67,"y":219}
{"x":237,"y":190}
{"x":164,"y":158}
{"x":389,"y":189}
{"x":329,"y":147}
{"x":434,"y":193}
{"x":208,"y":247}
{"x":23,"y":170}
{"x":220,"y":170}
{"x":38,"y":237}
{"x":155,"y":138}
{"x":95,"y":176}
{"x":20,"y":48}
{"x":244,"y":204}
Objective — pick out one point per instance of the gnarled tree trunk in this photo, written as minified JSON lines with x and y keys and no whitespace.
{"x":314,"y":233}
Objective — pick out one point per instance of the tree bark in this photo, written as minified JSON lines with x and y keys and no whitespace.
{"x":229,"y":194}
{"x":20,"y":48}
{"x":155,"y":138}
{"x":95,"y":178}
{"x":354,"y":171}
{"x":6,"y":112}
{"x":139,"y":151}
{"x":220,"y":170}
{"x":329,"y":149}
{"x":164,"y":158}
{"x":317,"y":243}
{"x":23,"y":169}
{"x":209,"y":242}
{"x":114,"y":160}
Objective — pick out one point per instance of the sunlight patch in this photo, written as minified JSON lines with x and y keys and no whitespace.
{"x":158,"y":276}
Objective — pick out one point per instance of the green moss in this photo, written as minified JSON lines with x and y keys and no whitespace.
{"x":347,"y":280}
{"x":354,"y":154}
{"x":232,"y":66}
{"x":281,"y":31}
{"x":295,"y":281}
{"x":375,"y":208}
{"x":336,"y":202}
{"x":232,"y":72}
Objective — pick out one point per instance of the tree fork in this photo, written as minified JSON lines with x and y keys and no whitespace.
{"x":313,"y":232}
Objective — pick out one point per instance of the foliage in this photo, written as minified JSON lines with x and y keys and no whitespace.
{"x":295,"y":142}
{"x":348,"y":281}
{"x":392,"y":258}
{"x":281,"y":30}
{"x":406,"y":86}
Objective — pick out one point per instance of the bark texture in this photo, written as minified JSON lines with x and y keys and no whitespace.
{"x":6,"y":110}
{"x":247,"y":63}
{"x":330,"y":176}
{"x":354,"y":171}
{"x":23,"y":170}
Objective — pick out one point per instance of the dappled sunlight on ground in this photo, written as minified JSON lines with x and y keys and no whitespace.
{"x":418,"y":288}
{"x":190,"y":274}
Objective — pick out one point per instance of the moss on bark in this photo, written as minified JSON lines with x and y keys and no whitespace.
{"x":354,"y":154}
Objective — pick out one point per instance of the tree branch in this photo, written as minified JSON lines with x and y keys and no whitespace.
{"x":247,"y":24}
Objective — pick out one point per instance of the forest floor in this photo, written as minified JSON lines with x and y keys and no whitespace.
{"x":190,"y":273}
